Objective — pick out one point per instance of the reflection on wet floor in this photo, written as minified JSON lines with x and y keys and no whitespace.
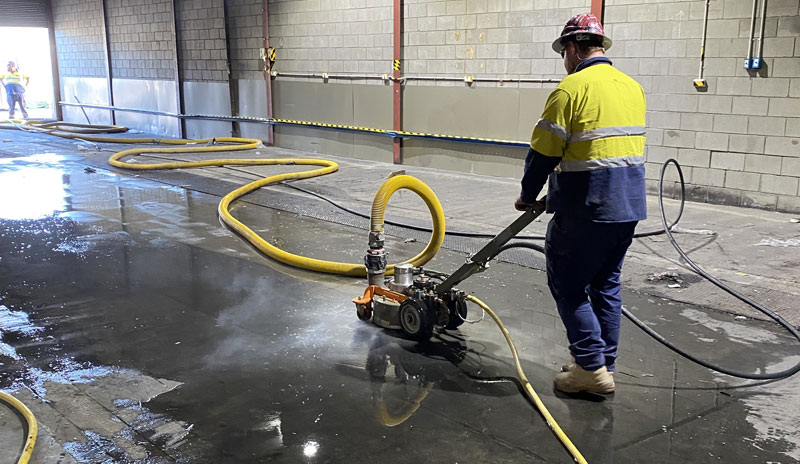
{"x":162,"y":337}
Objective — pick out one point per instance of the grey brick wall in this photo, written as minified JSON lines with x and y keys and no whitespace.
{"x":201,"y":40}
{"x":79,"y":42}
{"x":485,"y":38}
{"x":743,"y":133}
{"x":739,"y":142}
{"x":140,"y":39}
{"x":353,"y":36}
{"x":246,"y":39}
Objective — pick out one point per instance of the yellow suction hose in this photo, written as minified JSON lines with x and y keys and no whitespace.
{"x":327,"y":167}
{"x":573,"y":450}
{"x":33,"y":428}
{"x":84,"y":131}
{"x":380,"y":201}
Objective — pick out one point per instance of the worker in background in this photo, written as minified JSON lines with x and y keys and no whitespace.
{"x":15,"y":90}
{"x":590,"y":142}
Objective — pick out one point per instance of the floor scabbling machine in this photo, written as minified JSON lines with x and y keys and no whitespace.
{"x":416,"y":300}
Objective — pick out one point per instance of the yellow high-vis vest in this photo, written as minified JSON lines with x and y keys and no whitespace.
{"x":594,"y":119}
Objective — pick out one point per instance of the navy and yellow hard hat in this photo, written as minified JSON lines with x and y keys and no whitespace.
{"x":583,"y":27}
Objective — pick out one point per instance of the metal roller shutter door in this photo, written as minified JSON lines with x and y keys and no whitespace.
{"x":24,"y":13}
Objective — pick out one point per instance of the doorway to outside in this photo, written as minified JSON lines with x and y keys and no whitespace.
{"x":29,"y":48}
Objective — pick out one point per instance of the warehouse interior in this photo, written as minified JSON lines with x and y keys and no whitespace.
{"x":185,"y":212}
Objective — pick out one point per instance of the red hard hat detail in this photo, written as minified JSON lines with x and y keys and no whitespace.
{"x":585,"y":23}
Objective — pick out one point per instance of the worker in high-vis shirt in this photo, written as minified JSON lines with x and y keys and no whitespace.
{"x":15,"y":90}
{"x":590,"y":143}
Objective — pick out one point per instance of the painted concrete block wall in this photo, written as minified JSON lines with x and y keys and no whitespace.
{"x":352,"y":36}
{"x":739,"y":143}
{"x":81,"y":59}
{"x":245,"y":28}
{"x":79,"y":42}
{"x":200,"y":26}
{"x":486,"y":38}
{"x":141,"y":42}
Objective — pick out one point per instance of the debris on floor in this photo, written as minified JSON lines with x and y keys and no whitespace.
{"x":669,"y":276}
{"x":774,"y":242}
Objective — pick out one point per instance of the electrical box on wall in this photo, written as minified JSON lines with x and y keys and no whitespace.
{"x":753,"y":63}
{"x":700,"y":84}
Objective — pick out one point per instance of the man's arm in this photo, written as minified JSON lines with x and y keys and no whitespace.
{"x":537,"y":168}
{"x":548,"y":143}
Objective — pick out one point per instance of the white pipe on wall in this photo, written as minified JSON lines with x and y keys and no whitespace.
{"x":752,"y":35}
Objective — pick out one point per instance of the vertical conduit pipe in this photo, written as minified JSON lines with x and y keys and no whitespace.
{"x":233,"y":87}
{"x":752,"y":35}
{"x":176,"y":67}
{"x":703,"y":41}
{"x":267,"y":69}
{"x":107,"y":59}
{"x":761,"y":33}
{"x":397,"y":90}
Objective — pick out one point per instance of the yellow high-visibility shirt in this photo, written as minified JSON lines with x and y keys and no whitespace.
{"x":594,"y":124}
{"x":13,"y":78}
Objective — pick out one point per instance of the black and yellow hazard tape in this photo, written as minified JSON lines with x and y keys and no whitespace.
{"x":396,"y":66}
{"x":271,"y":54}
{"x":318,"y":125}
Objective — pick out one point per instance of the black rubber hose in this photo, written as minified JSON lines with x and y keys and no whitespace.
{"x":775,"y":317}
{"x":666,"y":230}
{"x":530,"y":246}
{"x":658,"y":337}
{"x":458,"y":233}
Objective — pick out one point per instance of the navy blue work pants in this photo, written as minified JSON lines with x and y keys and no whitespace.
{"x":13,"y":99}
{"x":584,"y":261}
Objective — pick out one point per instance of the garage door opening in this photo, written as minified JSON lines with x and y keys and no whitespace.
{"x":29,"y":49}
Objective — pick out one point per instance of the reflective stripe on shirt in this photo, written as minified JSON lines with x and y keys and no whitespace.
{"x":13,"y":78}
{"x":556,"y":129}
{"x":603,"y":132}
{"x":601,"y":163}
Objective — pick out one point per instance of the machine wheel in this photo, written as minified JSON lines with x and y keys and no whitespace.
{"x":454,"y":309}
{"x":416,"y":319}
{"x":364,"y":311}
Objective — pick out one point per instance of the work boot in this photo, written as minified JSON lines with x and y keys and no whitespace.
{"x":572,"y":365}
{"x":577,"y":380}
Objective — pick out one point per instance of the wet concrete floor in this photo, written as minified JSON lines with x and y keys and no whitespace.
{"x":139,"y":329}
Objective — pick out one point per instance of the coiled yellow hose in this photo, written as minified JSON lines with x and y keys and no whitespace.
{"x":33,"y":428}
{"x":331,"y":267}
{"x":562,"y":437}
{"x":77,"y":131}
{"x":381,"y":199}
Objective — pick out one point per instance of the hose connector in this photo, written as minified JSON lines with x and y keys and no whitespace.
{"x":375,"y":261}
{"x":376,"y":239}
